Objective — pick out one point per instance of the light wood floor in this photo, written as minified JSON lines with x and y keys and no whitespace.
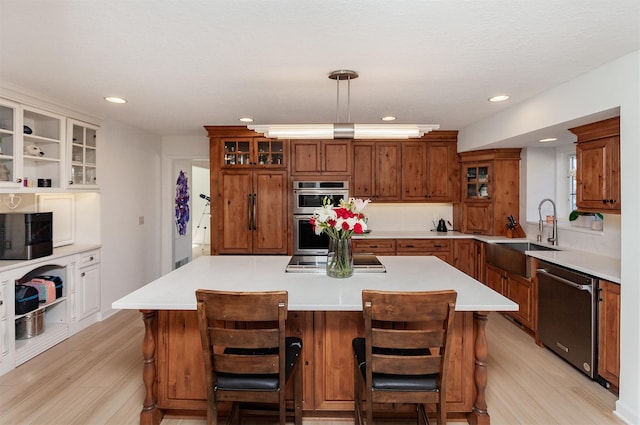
{"x":95,"y":377}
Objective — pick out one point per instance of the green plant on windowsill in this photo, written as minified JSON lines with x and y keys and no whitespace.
{"x":575,"y":214}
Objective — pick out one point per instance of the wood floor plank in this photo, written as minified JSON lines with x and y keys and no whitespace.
{"x":95,"y":378}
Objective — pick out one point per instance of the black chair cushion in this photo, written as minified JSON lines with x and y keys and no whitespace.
{"x":390,"y":382}
{"x":262,"y":382}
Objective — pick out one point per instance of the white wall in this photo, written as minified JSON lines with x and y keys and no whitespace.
{"x":615,"y":84}
{"x":129,"y":176}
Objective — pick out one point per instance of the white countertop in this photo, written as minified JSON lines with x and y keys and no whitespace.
{"x":59,"y":252}
{"x":310,"y":291}
{"x":594,"y":264}
{"x":413,"y":234}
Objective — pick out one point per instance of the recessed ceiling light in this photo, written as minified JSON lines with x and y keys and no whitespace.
{"x":388,"y":118}
{"x":245,"y":119}
{"x":498,"y":98}
{"x":548,"y":139}
{"x":114,"y":99}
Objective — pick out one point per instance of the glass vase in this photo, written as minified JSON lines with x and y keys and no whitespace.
{"x":339,"y":258}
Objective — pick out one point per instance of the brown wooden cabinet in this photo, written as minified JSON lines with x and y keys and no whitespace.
{"x":518,"y":289}
{"x":253,"y":208}
{"x":376,"y":170}
{"x":441,"y":248}
{"x":374,"y":246}
{"x":428,"y":173}
{"x":423,"y":170}
{"x":464,"y":256}
{"x":598,"y":166}
{"x":490,"y":183}
{"x":249,"y":192}
{"x":609,"y":334}
{"x":247,"y":152}
{"x":320,"y":157}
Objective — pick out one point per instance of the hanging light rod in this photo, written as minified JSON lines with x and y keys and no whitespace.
{"x":343,"y":130}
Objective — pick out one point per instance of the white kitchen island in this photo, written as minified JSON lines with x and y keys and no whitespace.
{"x":324,"y":312}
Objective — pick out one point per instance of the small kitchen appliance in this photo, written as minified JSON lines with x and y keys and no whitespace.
{"x":25,"y":236}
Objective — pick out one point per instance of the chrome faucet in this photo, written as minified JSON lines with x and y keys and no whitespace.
{"x":554,"y":233}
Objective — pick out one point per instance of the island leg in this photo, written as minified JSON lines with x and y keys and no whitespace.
{"x":150,"y":414}
{"x":480,"y":415}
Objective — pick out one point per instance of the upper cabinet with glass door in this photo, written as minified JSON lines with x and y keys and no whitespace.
{"x":253,"y":151}
{"x":8,"y":143}
{"x":477,"y":181}
{"x":42,"y":140}
{"x":82,"y":154}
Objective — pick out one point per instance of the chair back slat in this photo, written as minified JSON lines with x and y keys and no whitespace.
{"x":407,"y":338}
{"x":241,"y":364}
{"x":405,"y":365}
{"x":403,"y":307}
{"x":246,"y":306}
{"x":245,"y":338}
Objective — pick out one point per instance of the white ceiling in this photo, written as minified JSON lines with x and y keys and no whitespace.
{"x":186,"y":64}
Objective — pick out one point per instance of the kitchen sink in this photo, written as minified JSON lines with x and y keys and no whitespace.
{"x":511,"y":257}
{"x":528,"y":246}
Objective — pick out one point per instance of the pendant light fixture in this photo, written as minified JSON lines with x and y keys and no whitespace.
{"x":345,"y":129}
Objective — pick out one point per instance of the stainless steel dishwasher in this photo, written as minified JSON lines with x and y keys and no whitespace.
{"x":567,"y":313}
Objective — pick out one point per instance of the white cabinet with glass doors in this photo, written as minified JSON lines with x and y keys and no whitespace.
{"x":9,"y":148}
{"x":32,"y":147}
{"x":81,"y":155}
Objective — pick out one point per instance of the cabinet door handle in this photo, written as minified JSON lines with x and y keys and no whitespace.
{"x":254,"y":212}
{"x":249,"y":212}
{"x":83,"y":274}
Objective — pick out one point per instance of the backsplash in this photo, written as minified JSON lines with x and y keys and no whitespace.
{"x":407,"y":216}
{"x":605,"y":242}
{"x":24,"y":202}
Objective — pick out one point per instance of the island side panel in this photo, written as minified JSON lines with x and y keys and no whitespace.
{"x":333,"y":368}
{"x":327,"y":360}
{"x":180,"y":366}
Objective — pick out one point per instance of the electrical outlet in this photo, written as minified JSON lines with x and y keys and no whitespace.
{"x":141,"y":219}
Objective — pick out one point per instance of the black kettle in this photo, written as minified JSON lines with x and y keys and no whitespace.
{"x":442,"y":227}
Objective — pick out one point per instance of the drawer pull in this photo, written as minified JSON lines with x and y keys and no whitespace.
{"x":83,"y":274}
{"x":409,"y":245}
{"x":373,"y":246}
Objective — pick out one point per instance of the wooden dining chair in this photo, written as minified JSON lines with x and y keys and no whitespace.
{"x":247,"y":357}
{"x":404,"y":355}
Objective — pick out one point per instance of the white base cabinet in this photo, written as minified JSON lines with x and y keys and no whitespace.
{"x":87,"y":288}
{"x":77,"y":308}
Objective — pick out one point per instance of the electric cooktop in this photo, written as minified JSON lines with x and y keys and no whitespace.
{"x":362,"y":263}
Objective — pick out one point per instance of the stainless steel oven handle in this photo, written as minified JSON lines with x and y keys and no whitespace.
{"x":588,"y":288}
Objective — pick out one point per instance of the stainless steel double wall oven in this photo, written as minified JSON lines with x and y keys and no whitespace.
{"x":307,"y":196}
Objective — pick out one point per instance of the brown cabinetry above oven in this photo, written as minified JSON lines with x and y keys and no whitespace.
{"x":320,"y":157}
